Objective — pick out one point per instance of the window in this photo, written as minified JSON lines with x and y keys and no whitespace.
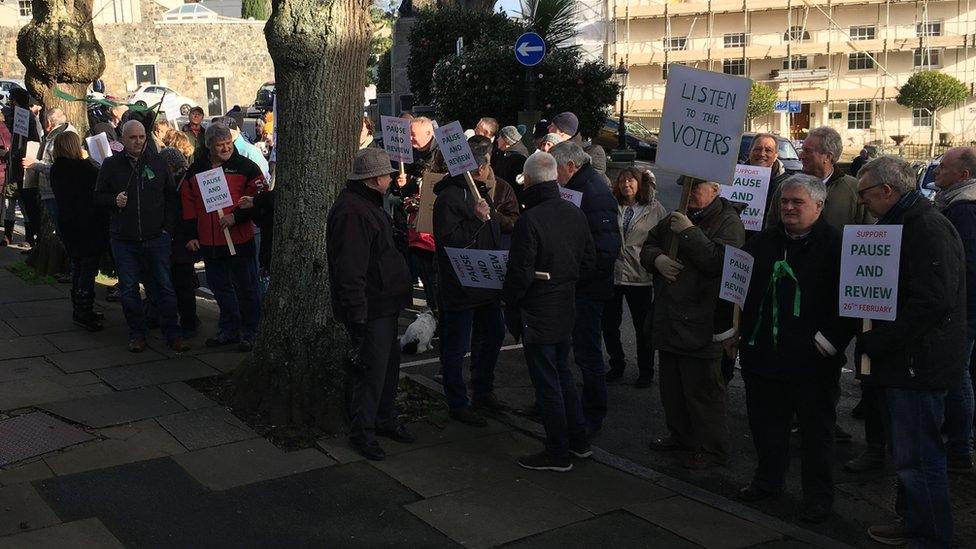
{"x":859,"y":61}
{"x":25,"y":8}
{"x":734,"y":66}
{"x":921,"y":118}
{"x":799,"y":62}
{"x":674,"y":44}
{"x":863,"y":32}
{"x":859,"y":115}
{"x":796,"y":34}
{"x":734,"y":40}
{"x":932,"y":28}
{"x":145,"y":74}
{"x":927,"y":58}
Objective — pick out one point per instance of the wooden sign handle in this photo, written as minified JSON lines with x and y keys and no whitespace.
{"x":402,"y":170}
{"x":230,"y":241}
{"x":736,"y":317}
{"x":689,"y":183}
{"x":473,"y":187}
{"x":865,"y":359}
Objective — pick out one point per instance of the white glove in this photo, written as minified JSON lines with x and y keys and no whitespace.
{"x":669,"y":268}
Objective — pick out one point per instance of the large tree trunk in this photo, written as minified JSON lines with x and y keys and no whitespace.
{"x":295,"y":376}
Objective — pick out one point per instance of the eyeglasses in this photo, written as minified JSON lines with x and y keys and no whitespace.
{"x":860,"y":192}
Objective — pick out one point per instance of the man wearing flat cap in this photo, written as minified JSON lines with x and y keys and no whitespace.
{"x":370,"y":285}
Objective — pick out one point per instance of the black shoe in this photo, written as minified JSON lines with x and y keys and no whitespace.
{"x":841,"y":436}
{"x":580,"y":451}
{"x":487,"y":403}
{"x":544,"y":462}
{"x":615,"y":374}
{"x":753,"y":493}
{"x":815,"y":512}
{"x":400,"y":434}
{"x":245,"y":345}
{"x":221,"y":339}
{"x":896,"y":534}
{"x":667,"y":444}
{"x":644,"y":380}
{"x":370,"y":450}
{"x":467,"y":416}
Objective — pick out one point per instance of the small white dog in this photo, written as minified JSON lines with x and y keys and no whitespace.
{"x":417,"y":338}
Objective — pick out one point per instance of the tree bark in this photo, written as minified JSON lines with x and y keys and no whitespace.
{"x":296,"y":374}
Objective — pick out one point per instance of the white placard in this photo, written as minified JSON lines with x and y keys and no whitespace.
{"x":570,"y":195}
{"x":274,"y":129}
{"x":736,"y":274}
{"x":479,"y":268}
{"x":172,"y":114}
{"x":869,"y":271}
{"x":396,"y":138}
{"x":21,"y":121}
{"x":454,"y":146}
{"x":214,"y":190}
{"x":33,"y":147}
{"x":98,"y":147}
{"x":750,"y":186}
{"x":701,"y":124}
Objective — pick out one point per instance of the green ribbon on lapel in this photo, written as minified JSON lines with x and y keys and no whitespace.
{"x":781,"y":269}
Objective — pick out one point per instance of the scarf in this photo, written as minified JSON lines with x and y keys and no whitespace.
{"x":964,"y":190}
{"x":696,"y":215}
{"x":893,"y":216}
{"x":781,"y":270}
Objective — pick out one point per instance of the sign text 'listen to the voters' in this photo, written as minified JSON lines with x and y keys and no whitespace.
{"x":869,"y":271}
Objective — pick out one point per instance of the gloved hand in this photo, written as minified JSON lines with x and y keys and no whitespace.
{"x":513,"y":321}
{"x":355,"y":333}
{"x":680,"y":223}
{"x":669,"y":268}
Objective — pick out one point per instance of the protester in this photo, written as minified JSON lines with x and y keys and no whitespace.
{"x":508,"y":161}
{"x":28,"y":195}
{"x":55,"y":123}
{"x":179,"y":141}
{"x":263,"y":217}
{"x":141,"y":232}
{"x":403,"y":201}
{"x":566,"y":125}
{"x":502,"y":194}
{"x":161,"y":127}
{"x":370,"y":285}
{"x":791,"y":345}
{"x":194,"y":127}
{"x":956,"y":179}
{"x":552,"y":236}
{"x":820,"y":153}
{"x":549,"y":141}
{"x":232,"y":278}
{"x":577,"y":174}
{"x":366,"y":134}
{"x":764,"y":152}
{"x":640,"y":211}
{"x":243,"y":147}
{"x":861,"y":159}
{"x":8,"y":193}
{"x":486,"y":127}
{"x":183,"y":270}
{"x":689,"y":322}
{"x":919,"y":356}
{"x":84,"y":226}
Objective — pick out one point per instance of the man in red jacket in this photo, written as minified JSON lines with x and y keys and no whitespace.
{"x":232,"y":278}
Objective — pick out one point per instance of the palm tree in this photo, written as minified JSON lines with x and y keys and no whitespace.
{"x":553,"y":20}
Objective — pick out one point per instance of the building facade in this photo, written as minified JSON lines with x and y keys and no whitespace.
{"x":843,"y":60}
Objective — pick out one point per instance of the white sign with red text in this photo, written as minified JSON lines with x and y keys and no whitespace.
{"x":869,"y":271}
{"x":736,"y":274}
{"x":749,"y":186}
{"x":214,"y":190}
{"x":396,"y":139}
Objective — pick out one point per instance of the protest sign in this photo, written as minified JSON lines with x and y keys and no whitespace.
{"x":570,"y":195}
{"x":21,"y":121}
{"x":750,"y":186}
{"x":172,"y":114}
{"x":214,"y":190}
{"x":98,"y":147}
{"x":454,"y":146}
{"x":736,"y":274}
{"x":425,"y":209}
{"x":869,"y":271}
{"x":33,"y":147}
{"x":479,"y":268}
{"x":396,"y":138}
{"x":701,"y":123}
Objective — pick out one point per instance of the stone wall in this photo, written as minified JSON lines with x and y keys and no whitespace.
{"x":185,"y":55}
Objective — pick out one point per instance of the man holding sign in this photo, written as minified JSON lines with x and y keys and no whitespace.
{"x":917,"y":357}
{"x":225,"y":235}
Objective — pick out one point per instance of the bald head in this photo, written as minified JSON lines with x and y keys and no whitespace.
{"x":133,"y":137}
{"x":958,"y":164}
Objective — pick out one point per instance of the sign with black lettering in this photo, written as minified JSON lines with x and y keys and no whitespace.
{"x":736,"y":274}
{"x":396,"y":139}
{"x":869,"y":271}
{"x":479,"y":268}
{"x":749,"y":187}
{"x":214,"y":190}
{"x":454,"y":146}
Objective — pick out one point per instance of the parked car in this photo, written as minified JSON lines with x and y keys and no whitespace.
{"x":784,"y":147}
{"x":926,"y":176}
{"x":265,"y":97}
{"x":7,"y":84}
{"x":639,"y":138}
{"x":150,"y":94}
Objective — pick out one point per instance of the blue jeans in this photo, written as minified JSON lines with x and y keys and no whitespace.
{"x":456,"y":327}
{"x":148,"y":262}
{"x":920,"y":462}
{"x":588,"y":352}
{"x":234,"y":283}
{"x":959,"y":412}
{"x":556,"y":398}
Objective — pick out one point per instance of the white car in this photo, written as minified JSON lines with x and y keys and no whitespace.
{"x":6,"y":85}
{"x":149,"y":94}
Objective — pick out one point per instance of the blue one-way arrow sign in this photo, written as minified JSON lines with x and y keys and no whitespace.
{"x":530,"y":49}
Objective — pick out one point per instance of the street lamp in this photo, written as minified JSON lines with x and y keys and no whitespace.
{"x":621,"y":74}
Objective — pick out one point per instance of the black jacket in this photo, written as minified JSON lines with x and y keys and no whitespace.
{"x":508,"y":164}
{"x":961,"y":212}
{"x":456,"y":226}
{"x":369,"y":278}
{"x":83,"y":225}
{"x":551,"y":236}
{"x":152,"y":193}
{"x":815,"y":260}
{"x":923,"y":347}
{"x":600,"y":208}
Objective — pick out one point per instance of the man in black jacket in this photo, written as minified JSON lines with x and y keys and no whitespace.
{"x":600,"y":207}
{"x":138,"y":188}
{"x":508,"y":162}
{"x":551,"y":237}
{"x":917,"y":357}
{"x":370,"y":286}
{"x":792,"y":345}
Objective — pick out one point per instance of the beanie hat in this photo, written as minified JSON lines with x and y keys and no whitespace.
{"x":511,"y":134}
{"x":567,"y":123}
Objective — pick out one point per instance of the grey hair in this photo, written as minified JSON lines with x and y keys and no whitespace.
{"x":216,"y":132}
{"x":569,"y":151}
{"x":814,"y":186}
{"x":967,"y":160}
{"x":540,"y":167}
{"x":893,"y":171}
{"x":56,"y":117}
{"x":830,"y":142}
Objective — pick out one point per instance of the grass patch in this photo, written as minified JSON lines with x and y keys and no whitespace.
{"x":28,"y":275}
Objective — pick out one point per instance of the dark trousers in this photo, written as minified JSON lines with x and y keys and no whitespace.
{"x":872,"y":405}
{"x":185,"y":283}
{"x":373,"y":391}
{"x":771,"y":404}
{"x":83,"y":273}
{"x":234,"y":283}
{"x":456,"y":328}
{"x":639,"y":301}
{"x":693,"y":397}
{"x":146,"y":261}
{"x":588,"y":353}
{"x":555,"y":393}
{"x":30,"y":206}
{"x":424,"y":266}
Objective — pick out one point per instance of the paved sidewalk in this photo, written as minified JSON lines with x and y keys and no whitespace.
{"x":103,"y":448}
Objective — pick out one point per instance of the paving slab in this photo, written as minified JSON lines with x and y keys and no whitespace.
{"x":31,"y":292}
{"x":687,"y":518}
{"x":116,"y":408}
{"x":45,"y":325}
{"x":94,"y":359}
{"x":23,"y":368}
{"x":339,"y":450}
{"x":33,"y":308}
{"x":19,"y":347}
{"x":88,"y":533}
{"x":27,"y":471}
{"x":21,"y":393}
{"x":7,"y":332}
{"x":33,"y":434}
{"x":617,"y":490}
{"x":21,"y":508}
{"x":82,"y":340}
{"x":247,"y":462}
{"x":496,"y":513}
{"x":619,"y":529}
{"x":139,"y":441}
{"x":225,"y":361}
{"x":206,"y":427}
{"x":155,"y":373}
{"x":190,"y":398}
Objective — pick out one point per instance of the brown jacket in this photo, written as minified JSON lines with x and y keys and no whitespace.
{"x":504,"y":200}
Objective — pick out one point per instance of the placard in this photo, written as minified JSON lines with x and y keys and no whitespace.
{"x":98,"y":147}
{"x":570,"y":195}
{"x":214,"y":190}
{"x":33,"y":148}
{"x":425,"y":209}
{"x":749,"y":186}
{"x":869,"y":271}
{"x":736,"y":274}
{"x":396,"y":138}
{"x":479,"y":268}
{"x":454,"y":146}
{"x":172,"y":114}
{"x":701,"y":124}
{"x":21,"y":121}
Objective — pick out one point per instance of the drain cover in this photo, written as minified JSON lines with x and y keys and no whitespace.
{"x":34,"y":434}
